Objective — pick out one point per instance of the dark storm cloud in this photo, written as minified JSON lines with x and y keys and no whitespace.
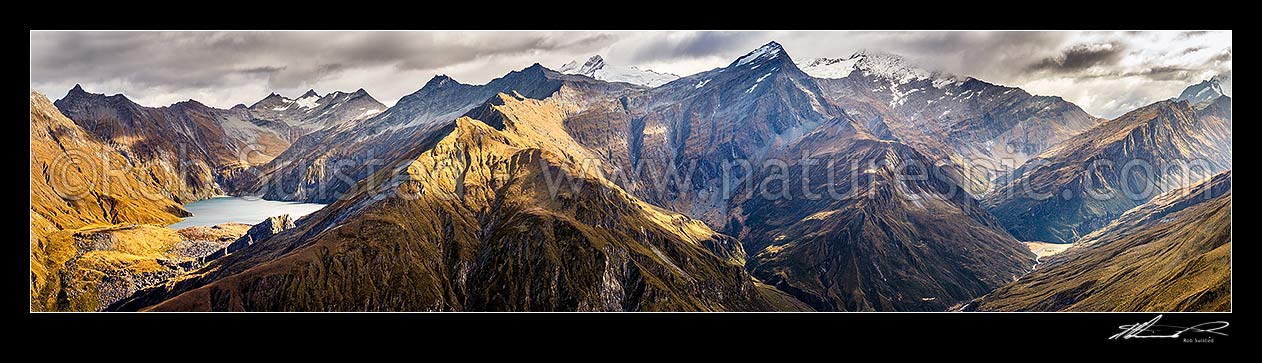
{"x":1081,"y":57}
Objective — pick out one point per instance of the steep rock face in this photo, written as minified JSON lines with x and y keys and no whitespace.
{"x":1170,"y":254}
{"x":862,"y":235}
{"x":683,"y":132}
{"x":596,"y":67}
{"x":498,"y":215}
{"x":77,"y":180}
{"x":322,"y":166}
{"x":259,"y":232}
{"x":77,"y":183}
{"x":1091,"y":179}
{"x":984,"y":129}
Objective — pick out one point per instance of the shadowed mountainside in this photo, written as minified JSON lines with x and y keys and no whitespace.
{"x":1089,"y":180}
{"x":1170,"y":254}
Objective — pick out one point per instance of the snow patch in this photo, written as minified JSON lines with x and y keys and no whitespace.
{"x":899,"y":97}
{"x":368,"y":113}
{"x":308,"y":102}
{"x":769,"y":51}
{"x":701,"y":84}
{"x":943,"y":82}
{"x":890,"y":67}
{"x":830,"y":68}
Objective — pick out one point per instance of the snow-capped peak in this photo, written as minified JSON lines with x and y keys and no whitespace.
{"x":592,"y":65}
{"x":1207,"y":90}
{"x":888,"y":66}
{"x":767,"y":51}
{"x":596,"y":67}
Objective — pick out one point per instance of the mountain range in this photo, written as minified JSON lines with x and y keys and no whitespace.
{"x":983,"y":129}
{"x":603,"y":188}
{"x":196,"y":151}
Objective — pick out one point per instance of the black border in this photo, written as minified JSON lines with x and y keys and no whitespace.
{"x":1038,"y":333}
{"x":639,"y":15}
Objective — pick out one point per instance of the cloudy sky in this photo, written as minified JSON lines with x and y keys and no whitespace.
{"x":1107,"y":73}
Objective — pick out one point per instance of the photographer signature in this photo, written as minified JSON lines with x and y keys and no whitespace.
{"x":1151,"y":329}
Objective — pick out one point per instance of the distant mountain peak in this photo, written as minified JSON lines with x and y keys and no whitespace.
{"x":534,"y":68}
{"x":438,"y":81}
{"x":271,"y":99}
{"x":595,"y":62}
{"x":1207,"y":90}
{"x":874,"y":63}
{"x":588,"y":68}
{"x":77,"y":92}
{"x":890,"y":66}
{"x":310,"y":93}
{"x":595,"y":67}
{"x":191,"y":102}
{"x":769,"y":51}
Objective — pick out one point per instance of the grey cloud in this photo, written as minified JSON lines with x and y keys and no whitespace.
{"x":442,"y":54}
{"x":1189,"y":50}
{"x":1224,"y":56}
{"x":262,"y":70}
{"x":699,"y":44}
{"x":1081,"y":57}
{"x":152,"y":60}
{"x":1160,"y":73}
{"x":225,"y":68}
{"x":1189,"y":35}
{"x":1170,"y":73}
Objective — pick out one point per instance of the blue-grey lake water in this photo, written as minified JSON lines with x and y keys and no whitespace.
{"x":250,"y":210}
